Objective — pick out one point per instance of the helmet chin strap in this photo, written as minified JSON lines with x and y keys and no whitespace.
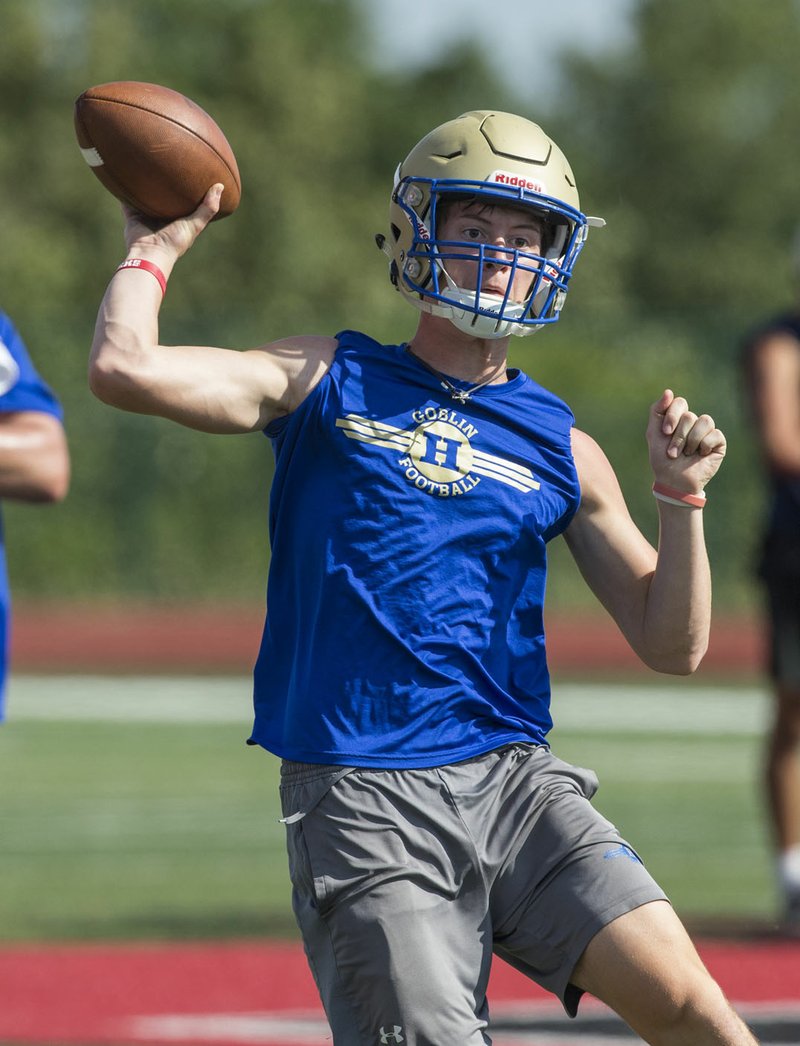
{"x":470,"y":321}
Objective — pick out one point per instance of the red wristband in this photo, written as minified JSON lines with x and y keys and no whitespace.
{"x":147,"y":266}
{"x":678,"y":497}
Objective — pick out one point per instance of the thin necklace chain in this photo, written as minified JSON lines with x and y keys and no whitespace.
{"x":460,"y":395}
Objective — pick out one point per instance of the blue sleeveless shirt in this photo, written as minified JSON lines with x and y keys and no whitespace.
{"x":405,"y":595}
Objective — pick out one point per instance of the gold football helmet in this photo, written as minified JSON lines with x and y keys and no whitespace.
{"x":493,"y":159}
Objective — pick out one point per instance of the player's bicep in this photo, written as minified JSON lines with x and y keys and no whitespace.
{"x":214,"y":390}
{"x":219,"y":390}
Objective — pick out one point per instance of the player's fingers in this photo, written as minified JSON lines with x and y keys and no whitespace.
{"x":703,"y":425}
{"x":713,"y":442}
{"x":673,"y":415}
{"x":680,"y":430}
{"x":210,"y":205}
{"x":659,"y":408}
{"x":182,"y":233}
{"x":139,"y":228}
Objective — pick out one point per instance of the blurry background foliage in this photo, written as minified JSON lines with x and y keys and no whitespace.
{"x":692,"y":161}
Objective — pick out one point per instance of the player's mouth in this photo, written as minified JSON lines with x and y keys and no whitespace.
{"x":494,"y":288}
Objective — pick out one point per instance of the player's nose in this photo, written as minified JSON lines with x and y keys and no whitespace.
{"x":497,"y":252}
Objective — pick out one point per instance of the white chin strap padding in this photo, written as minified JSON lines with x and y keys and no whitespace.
{"x":472,"y":322}
{"x":480,"y":325}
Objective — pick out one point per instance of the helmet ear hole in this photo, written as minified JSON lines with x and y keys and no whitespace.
{"x":556,"y":240}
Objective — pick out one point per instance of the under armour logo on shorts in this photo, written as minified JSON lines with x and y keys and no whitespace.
{"x":392,"y":1036}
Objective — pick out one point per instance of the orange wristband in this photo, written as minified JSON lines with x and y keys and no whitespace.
{"x":678,"y":497}
{"x":147,"y":266}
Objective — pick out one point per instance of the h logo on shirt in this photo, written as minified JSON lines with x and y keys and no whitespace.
{"x":392,"y":1036}
{"x":441,"y":451}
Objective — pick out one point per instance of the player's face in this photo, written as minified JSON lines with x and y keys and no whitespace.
{"x":493,"y":226}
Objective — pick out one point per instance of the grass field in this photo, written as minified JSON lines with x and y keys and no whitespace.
{"x":132,"y":809}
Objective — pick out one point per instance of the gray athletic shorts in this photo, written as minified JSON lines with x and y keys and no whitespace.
{"x":405,"y":882}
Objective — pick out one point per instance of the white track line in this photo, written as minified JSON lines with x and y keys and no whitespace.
{"x":663,"y":708}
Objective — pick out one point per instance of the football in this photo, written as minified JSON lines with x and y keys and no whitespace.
{"x":155,"y":149}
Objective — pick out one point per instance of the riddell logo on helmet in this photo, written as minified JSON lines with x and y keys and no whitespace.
{"x":516,"y":181}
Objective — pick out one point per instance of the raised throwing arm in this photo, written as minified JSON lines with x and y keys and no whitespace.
{"x":206,"y":388}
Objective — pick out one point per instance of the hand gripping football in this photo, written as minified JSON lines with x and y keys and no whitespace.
{"x":155,"y":149}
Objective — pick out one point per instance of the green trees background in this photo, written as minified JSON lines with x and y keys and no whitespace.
{"x":685,"y":141}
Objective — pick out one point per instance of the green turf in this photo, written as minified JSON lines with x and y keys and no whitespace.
{"x":165,"y":831}
{"x":138,"y":831}
{"x":691,"y":807}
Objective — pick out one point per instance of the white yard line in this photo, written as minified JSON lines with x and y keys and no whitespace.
{"x":577,"y":707}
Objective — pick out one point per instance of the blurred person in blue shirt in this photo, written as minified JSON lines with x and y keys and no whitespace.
{"x":34,"y":458}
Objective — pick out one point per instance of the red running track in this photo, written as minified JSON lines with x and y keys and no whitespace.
{"x":227,"y":994}
{"x":138,"y":638}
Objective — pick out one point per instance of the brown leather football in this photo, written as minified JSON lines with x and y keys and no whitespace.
{"x":155,"y":149}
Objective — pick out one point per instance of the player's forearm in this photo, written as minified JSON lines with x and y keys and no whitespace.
{"x":677,"y":613}
{"x":34,"y":459}
{"x":125,"y":340}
